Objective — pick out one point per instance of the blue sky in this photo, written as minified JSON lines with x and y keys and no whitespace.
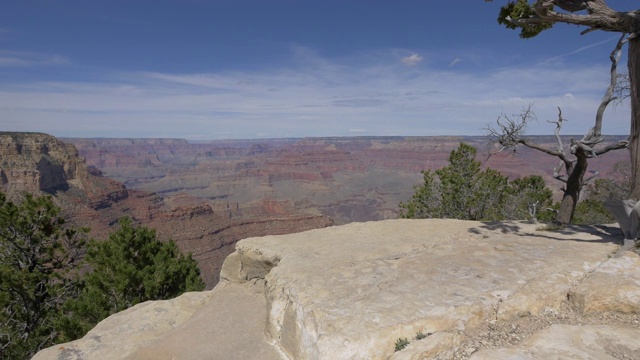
{"x":224,"y":69}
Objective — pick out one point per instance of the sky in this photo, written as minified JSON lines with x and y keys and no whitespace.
{"x":246,"y":69}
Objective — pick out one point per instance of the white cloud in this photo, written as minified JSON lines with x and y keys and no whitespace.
{"x":581,"y":49}
{"x":315,"y":97}
{"x":24,"y":59}
{"x":455,"y":61}
{"x":412,"y":60}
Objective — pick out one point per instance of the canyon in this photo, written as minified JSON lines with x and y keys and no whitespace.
{"x":257,"y":216}
{"x":208,"y":195}
{"x":345,"y":179}
{"x":42,"y":164}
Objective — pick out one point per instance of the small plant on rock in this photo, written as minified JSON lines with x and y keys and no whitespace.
{"x":420,"y":335}
{"x":401,"y":343}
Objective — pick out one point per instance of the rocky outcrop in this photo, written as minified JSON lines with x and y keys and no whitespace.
{"x":34,"y":162}
{"x":453,"y":289}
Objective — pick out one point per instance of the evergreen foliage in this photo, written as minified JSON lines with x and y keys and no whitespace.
{"x":38,"y":256}
{"x":131,"y":267}
{"x":55,"y":286}
{"x":517,"y":9}
{"x":462,"y":190}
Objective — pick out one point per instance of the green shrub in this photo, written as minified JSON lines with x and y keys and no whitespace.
{"x":462,"y":191}
{"x":401,"y":343}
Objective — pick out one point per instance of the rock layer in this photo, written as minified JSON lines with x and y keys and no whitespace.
{"x":350,"y":292}
{"x":35,"y":162}
{"x":613,"y":287}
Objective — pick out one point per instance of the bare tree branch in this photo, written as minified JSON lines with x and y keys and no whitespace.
{"x":594,"y":135}
{"x":614,"y":146}
{"x":599,"y":16}
{"x":556,"y":173}
{"x":593,"y":176}
{"x":557,"y":131}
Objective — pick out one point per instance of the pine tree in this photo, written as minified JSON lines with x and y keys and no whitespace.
{"x":462,"y":190}
{"x":131,"y":267}
{"x":38,"y":256}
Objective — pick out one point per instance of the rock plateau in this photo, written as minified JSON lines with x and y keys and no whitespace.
{"x":454,"y":289}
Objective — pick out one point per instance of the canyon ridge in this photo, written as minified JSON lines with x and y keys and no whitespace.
{"x":395,"y":289}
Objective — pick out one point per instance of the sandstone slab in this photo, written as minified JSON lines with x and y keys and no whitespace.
{"x":226,"y":323}
{"x":599,"y":342}
{"x":350,"y":292}
{"x":230,"y":327}
{"x":613,"y":287}
{"x":123,"y":333}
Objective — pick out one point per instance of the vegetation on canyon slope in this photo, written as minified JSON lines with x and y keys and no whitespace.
{"x":56,"y":284}
{"x":462,"y":190}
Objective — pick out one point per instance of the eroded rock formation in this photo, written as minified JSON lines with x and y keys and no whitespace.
{"x":471,"y":289}
{"x":40,"y":163}
{"x":35,"y":162}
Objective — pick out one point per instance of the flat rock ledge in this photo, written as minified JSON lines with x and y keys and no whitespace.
{"x":453,"y":289}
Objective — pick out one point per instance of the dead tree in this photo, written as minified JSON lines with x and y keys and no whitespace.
{"x":510,"y":132}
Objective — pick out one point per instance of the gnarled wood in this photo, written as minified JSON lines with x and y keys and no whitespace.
{"x":510,"y":133}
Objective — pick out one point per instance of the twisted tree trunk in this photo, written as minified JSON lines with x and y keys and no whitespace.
{"x":634,"y":137}
{"x":573,"y":188}
{"x":627,"y":212}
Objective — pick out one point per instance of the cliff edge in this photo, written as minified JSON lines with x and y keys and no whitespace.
{"x":42,"y":164}
{"x":453,"y":289}
{"x":34,"y":162}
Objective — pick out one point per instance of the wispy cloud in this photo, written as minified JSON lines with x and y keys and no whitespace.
{"x":25,"y":59}
{"x":579,"y":50}
{"x":314,"y":96}
{"x":455,"y":61}
{"x":412,"y":59}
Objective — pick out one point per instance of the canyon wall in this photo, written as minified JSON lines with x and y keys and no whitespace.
{"x":37,"y":162}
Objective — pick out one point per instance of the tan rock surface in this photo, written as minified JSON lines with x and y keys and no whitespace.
{"x":572,"y":342}
{"x":614,"y":286}
{"x":230,"y":326}
{"x":440,"y":346}
{"x":125,"y":332}
{"x":349,"y":292}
